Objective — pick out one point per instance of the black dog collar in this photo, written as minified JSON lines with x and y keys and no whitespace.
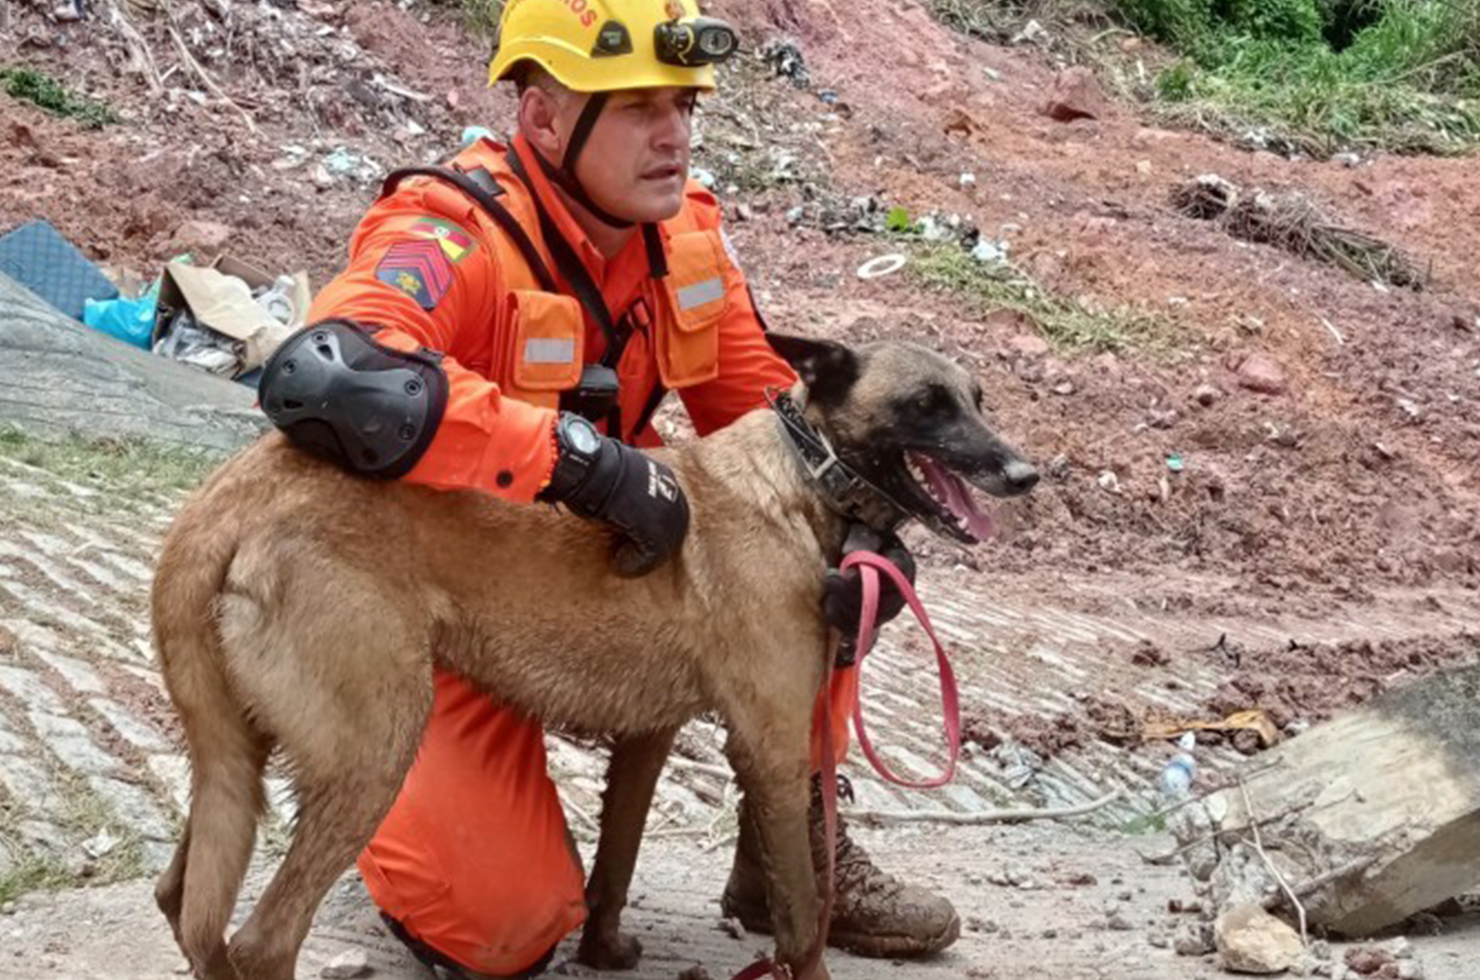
{"x":845,"y":491}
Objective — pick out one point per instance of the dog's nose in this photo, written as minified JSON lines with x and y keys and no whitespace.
{"x":1021,"y":476}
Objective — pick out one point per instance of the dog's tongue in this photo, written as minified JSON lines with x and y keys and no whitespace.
{"x":957,"y":496}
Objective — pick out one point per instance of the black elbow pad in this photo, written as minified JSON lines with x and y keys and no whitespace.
{"x":338,"y":394}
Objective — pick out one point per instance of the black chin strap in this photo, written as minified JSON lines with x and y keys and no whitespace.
{"x":842,"y":488}
{"x":565,"y":174}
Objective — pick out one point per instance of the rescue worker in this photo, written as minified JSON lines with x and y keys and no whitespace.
{"x":509,"y":324}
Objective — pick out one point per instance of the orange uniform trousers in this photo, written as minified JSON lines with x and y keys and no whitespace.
{"x":473,"y":858}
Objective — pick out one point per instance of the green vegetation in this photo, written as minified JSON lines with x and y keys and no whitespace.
{"x":33,"y":874}
{"x":1294,"y":75}
{"x":134,"y":463}
{"x":1322,"y":74}
{"x":985,"y":287}
{"x":42,"y":90}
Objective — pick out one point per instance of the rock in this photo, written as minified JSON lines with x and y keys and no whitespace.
{"x":1144,"y":168}
{"x":350,"y":963}
{"x":794,"y":216}
{"x":1196,"y":939}
{"x":1119,"y":923}
{"x":1410,"y":970}
{"x":968,"y":180}
{"x":1058,"y":467}
{"x":1367,"y":961}
{"x":7,"y":909}
{"x":1346,"y":159}
{"x":695,"y":972}
{"x":1029,"y":345}
{"x":733,"y":927}
{"x":1064,"y":388}
{"x":1108,"y":481}
{"x":1262,"y":373}
{"x":1076,"y":95}
{"x":1206,"y":395}
{"x":201,"y":236}
{"x":1250,"y":940}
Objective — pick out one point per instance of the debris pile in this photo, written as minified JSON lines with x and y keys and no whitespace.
{"x":1294,"y":223}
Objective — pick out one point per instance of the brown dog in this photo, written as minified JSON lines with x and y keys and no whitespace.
{"x":301,"y":609}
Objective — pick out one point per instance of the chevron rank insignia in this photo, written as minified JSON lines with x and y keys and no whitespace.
{"x":418,"y":269}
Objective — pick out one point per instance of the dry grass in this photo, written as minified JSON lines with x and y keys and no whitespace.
{"x":1294,"y":223}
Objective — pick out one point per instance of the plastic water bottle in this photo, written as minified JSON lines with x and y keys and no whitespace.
{"x":277,"y":300}
{"x":1176,"y":778}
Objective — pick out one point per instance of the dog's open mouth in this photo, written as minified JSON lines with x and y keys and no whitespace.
{"x":953,"y":509}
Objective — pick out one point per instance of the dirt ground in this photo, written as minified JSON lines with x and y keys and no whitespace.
{"x":1039,"y":903}
{"x":1327,"y":429}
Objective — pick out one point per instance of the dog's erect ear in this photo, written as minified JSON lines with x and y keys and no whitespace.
{"x":826,"y":368}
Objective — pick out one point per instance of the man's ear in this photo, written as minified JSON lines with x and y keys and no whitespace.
{"x":828,"y":369}
{"x":538,"y":112}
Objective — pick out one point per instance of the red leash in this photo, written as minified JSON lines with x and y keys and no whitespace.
{"x":869,"y":566}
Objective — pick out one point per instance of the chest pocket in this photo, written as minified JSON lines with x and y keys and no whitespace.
{"x":548,"y":335}
{"x":696,"y":300}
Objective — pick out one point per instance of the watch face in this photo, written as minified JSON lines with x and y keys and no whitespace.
{"x":583,"y":436}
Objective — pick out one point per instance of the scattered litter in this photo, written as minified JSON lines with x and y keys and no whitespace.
{"x":358,"y":167}
{"x":794,"y":216}
{"x":1175,"y":463}
{"x":1252,"y":720}
{"x":1177,"y":776}
{"x":882,"y":265}
{"x":39,"y":258}
{"x":472,"y":134}
{"x":1032,"y":31}
{"x":1108,"y":481}
{"x":704,"y":177}
{"x":990,"y":252}
{"x":128,"y":320}
{"x":100,"y":845}
{"x":1347,"y":159}
{"x":785,"y":59}
{"x":226,"y":319}
{"x":967,"y":180}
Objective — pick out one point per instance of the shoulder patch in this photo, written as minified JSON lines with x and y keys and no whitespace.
{"x":455,"y":242}
{"x":418,"y":269}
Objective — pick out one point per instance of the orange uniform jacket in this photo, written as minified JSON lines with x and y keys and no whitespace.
{"x":430,"y":267}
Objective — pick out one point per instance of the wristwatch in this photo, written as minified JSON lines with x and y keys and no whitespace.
{"x":577,"y":445}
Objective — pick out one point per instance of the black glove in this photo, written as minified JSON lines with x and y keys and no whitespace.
{"x":842,"y":592}
{"x":598,"y":478}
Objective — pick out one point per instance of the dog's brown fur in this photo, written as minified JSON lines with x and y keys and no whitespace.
{"x":300,"y":609}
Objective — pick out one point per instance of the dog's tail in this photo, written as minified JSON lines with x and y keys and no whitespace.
{"x":227,"y":755}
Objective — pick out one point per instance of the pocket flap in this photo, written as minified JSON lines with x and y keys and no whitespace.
{"x":549,"y":334}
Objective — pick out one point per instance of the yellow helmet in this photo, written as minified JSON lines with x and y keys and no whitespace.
{"x":607,"y":45}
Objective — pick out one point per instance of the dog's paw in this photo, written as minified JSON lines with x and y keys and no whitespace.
{"x":612,"y":951}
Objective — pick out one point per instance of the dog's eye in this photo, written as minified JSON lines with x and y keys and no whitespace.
{"x":934,"y":400}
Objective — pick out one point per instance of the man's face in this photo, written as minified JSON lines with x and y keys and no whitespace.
{"x":636,"y":160}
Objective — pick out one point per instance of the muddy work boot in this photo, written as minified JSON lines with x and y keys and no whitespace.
{"x":874,"y":914}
